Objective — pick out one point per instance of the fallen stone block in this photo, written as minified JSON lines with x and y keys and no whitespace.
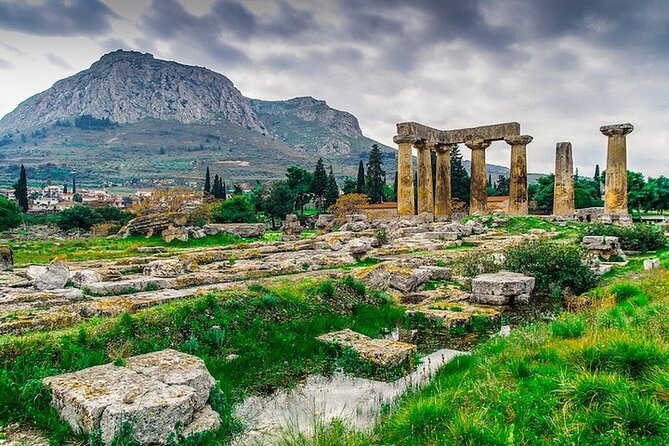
{"x":55,"y":276}
{"x":501,"y":288}
{"x":650,"y":264}
{"x":244,"y":230}
{"x":383,"y":353}
{"x":159,"y":395}
{"x":441,"y":235}
{"x":85,"y":277}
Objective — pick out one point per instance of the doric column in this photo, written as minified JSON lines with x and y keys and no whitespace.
{"x":442,"y":190}
{"x":425,"y":186}
{"x":518,"y":202}
{"x":563,"y":194}
{"x":478,"y":201}
{"x":405,"y":201}
{"x":615,"y":197}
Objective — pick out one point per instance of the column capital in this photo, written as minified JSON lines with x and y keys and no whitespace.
{"x":445,"y":148}
{"x":477,"y":144}
{"x":617,"y":129}
{"x":404,"y":139}
{"x":518,"y":140}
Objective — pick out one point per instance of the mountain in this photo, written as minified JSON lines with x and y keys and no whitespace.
{"x":131,"y":119}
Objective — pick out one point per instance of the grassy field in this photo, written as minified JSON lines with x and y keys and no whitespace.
{"x":599,"y":376}
{"x":96,"y":248}
{"x":272,"y":330}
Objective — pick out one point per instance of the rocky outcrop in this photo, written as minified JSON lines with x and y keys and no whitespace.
{"x":160,"y":395}
{"x":325,"y":223}
{"x":127,"y":86}
{"x":54,"y":277}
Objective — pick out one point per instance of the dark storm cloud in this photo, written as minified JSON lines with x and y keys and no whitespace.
{"x":56,"y":17}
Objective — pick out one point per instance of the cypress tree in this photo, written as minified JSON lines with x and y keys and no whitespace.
{"x":395,"y":187}
{"x":74,"y":184}
{"x":216,"y":188}
{"x":459,"y":177}
{"x":21,"y":190}
{"x":207,"y":182}
{"x":360,"y":187}
{"x":598,"y":180}
{"x":224,"y":193}
{"x":332,"y":190}
{"x":64,"y":188}
{"x":376,"y":176}
{"x":319,"y":184}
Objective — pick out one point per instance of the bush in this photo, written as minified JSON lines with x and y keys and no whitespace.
{"x":112,"y":213}
{"x":80,"y":217}
{"x":10,"y":214}
{"x":554,"y":265}
{"x":236,"y":209}
{"x":638,"y":237}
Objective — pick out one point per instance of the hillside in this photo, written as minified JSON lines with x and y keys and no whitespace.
{"x":149,"y":120}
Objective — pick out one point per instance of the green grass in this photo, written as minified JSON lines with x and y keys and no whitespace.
{"x":579,"y":380}
{"x":271,"y":329}
{"x":96,"y":248}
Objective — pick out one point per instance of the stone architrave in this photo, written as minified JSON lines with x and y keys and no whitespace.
{"x":494,"y":132}
{"x":615,"y":198}
{"x":405,"y":196}
{"x":424,"y":175}
{"x":518,"y":201}
{"x":563,"y":194}
{"x":478,"y":202}
{"x":442,"y":194}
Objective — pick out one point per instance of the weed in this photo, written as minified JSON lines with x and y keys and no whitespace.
{"x":151,"y":286}
{"x":568,"y":327}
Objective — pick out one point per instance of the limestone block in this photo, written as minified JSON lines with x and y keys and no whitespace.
{"x":650,"y":264}
{"x":6,"y":258}
{"x":359,"y":246}
{"x":85,"y":277}
{"x":168,"y":268}
{"x":325,"y":223}
{"x":501,"y":288}
{"x":34,"y":271}
{"x":55,"y":276}
{"x":291,"y":225}
{"x":175,"y":368}
{"x":174,"y":233}
{"x":441,"y":235}
{"x":244,"y":230}
{"x":384,"y":353}
{"x":204,"y":420}
{"x":404,"y":278}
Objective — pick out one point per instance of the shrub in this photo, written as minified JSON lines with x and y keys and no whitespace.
{"x":625,"y":291}
{"x":10,"y":214}
{"x":638,"y":237}
{"x":590,"y":389}
{"x":348,"y":204}
{"x":80,"y":217}
{"x":236,"y":209}
{"x":554,"y":265}
{"x":112,"y":213}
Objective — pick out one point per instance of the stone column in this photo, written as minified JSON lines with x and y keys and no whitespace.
{"x":518,"y":202}
{"x":615,"y":197}
{"x":425,"y":186}
{"x":442,"y":190}
{"x":563,"y":194}
{"x":405,"y":200}
{"x":478,"y":201}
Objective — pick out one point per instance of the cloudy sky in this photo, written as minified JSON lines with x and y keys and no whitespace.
{"x":561,"y":68}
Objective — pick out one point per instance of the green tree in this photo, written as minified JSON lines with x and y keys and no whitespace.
{"x":10,"y":214}
{"x":502,"y":185}
{"x":637,"y":192}
{"x":394,"y":196}
{"x":77,"y":198}
{"x":278,"y":201}
{"x":112,"y":213}
{"x":360,"y":185}
{"x":207,"y":182}
{"x":224,"y":191}
{"x":586,"y":194}
{"x":299,"y":181}
{"x":236,"y":209}
{"x":319,"y":184}
{"x":74,"y":184}
{"x":216,"y":187}
{"x":459,"y":177}
{"x":21,"y":190}
{"x":598,"y":179}
{"x":376,"y":176}
{"x":237,"y":189}
{"x":541,"y":193}
{"x":350,"y":186}
{"x":331,"y":190}
{"x":658,"y":194}
{"x":81,"y":217}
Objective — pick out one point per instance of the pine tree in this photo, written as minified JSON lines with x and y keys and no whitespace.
{"x":459,"y":177}
{"x":207,"y":182}
{"x":74,"y":184}
{"x":216,"y":188}
{"x":224,"y":192}
{"x":360,"y":188}
{"x":21,"y":190}
{"x":331,"y":191}
{"x":598,"y":180}
{"x":395,"y":187}
{"x":376,"y":176}
{"x":319,"y":184}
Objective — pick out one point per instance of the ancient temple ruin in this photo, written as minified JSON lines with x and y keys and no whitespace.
{"x":436,"y":199}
